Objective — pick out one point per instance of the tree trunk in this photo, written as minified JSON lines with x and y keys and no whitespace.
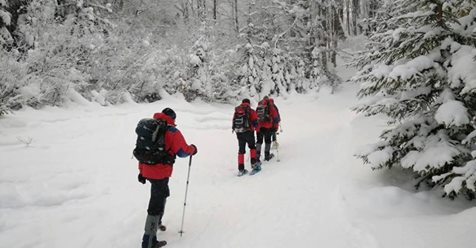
{"x":335,"y":35}
{"x":312,"y":36}
{"x":439,"y":15}
{"x":235,"y":11}
{"x":341,"y":20}
{"x":355,"y":14}
{"x":345,"y":17}
{"x":215,"y":10}
{"x":323,"y":39}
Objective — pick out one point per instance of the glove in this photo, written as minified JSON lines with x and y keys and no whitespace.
{"x":194,"y":149}
{"x":141,"y":179}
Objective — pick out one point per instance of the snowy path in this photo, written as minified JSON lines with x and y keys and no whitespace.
{"x":75,"y":184}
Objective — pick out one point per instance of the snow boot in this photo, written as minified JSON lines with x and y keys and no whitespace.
{"x":149,"y":240}
{"x":268,"y":156}
{"x":242,"y":172}
{"x":161,"y":227}
{"x":256,"y":166}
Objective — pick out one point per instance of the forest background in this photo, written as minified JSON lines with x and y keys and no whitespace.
{"x":112,"y":51}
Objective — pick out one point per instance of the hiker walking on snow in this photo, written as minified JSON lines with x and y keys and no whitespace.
{"x":244,"y":124}
{"x":159,"y":172}
{"x":268,"y":119}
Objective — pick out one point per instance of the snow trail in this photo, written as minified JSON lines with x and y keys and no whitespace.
{"x":75,"y":183}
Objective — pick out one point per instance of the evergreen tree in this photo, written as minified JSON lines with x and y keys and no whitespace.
{"x":5,"y":20}
{"x":252,"y":52}
{"x":196,"y":84}
{"x":419,"y":72}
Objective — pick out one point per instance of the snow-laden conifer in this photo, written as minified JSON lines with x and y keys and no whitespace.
{"x":419,"y":71}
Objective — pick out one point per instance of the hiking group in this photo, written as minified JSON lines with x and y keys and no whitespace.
{"x":265,"y":122}
{"x":159,"y":142}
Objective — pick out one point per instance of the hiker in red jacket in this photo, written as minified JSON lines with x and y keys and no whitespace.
{"x":244,"y":124}
{"x":158,"y":176}
{"x":275,"y":125}
{"x":268,"y":120}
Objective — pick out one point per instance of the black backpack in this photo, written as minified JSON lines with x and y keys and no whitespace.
{"x":263,"y":111}
{"x":241,"y":119}
{"x":150,"y":144}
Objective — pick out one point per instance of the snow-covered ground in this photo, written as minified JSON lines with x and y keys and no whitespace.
{"x":67,"y":179}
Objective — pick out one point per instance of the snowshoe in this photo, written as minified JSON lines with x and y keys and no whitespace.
{"x":268,"y":158}
{"x":256,"y":169}
{"x":160,"y":243}
{"x":155,"y":244}
{"x":242,"y":172}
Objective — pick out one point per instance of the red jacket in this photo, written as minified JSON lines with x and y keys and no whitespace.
{"x":273,"y":121}
{"x":175,"y":143}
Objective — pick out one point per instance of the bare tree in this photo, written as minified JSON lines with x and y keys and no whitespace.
{"x":215,"y":9}
{"x":235,"y":15}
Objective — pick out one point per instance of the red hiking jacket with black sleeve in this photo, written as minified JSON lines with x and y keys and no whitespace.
{"x":174,"y":143}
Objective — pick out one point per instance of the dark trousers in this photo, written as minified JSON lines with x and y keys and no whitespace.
{"x":244,"y":138}
{"x":264,"y":134}
{"x":159,"y":191}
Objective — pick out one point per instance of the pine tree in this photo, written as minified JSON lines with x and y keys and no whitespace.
{"x":418,"y":72}
{"x":195,"y":83}
{"x":6,"y":38}
{"x":250,"y":63}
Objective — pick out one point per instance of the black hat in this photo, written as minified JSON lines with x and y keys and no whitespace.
{"x":246,"y":100}
{"x":169,"y":112}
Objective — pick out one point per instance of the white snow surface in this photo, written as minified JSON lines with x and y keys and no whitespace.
{"x":68,"y":180}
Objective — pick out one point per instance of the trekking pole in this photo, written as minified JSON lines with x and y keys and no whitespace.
{"x":186,"y":191}
{"x":277,"y":144}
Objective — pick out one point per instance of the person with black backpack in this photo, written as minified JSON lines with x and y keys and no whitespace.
{"x":268,"y":119}
{"x":244,"y":124}
{"x":158,"y":143}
